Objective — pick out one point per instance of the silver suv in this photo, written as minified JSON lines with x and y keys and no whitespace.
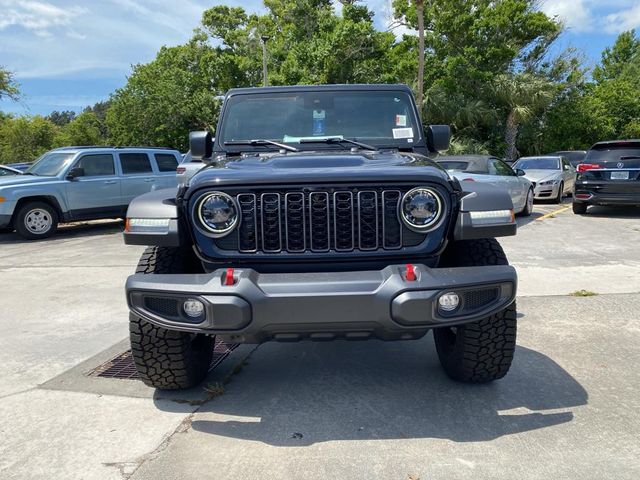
{"x":82,"y":183}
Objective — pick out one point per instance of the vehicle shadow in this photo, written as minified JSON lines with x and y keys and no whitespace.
{"x":301,"y":394}
{"x":613,"y":212}
{"x":70,"y":230}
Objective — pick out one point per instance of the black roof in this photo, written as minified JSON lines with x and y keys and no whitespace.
{"x":322,"y":88}
{"x":606,"y":143}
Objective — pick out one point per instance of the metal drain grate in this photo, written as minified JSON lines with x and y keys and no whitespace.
{"x":121,"y":366}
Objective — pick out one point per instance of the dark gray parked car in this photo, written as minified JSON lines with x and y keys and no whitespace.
{"x":320,"y":216}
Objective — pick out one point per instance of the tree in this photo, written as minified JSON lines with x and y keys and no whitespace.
{"x":24,"y":139}
{"x":419,"y":4}
{"x":83,"y":130}
{"x":616,"y":58}
{"x":8,"y":86}
{"x":61,"y":118}
{"x":521,"y":96}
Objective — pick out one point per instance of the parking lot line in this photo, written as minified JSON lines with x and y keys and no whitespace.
{"x":555,"y":212}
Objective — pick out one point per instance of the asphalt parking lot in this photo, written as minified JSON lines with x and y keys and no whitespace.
{"x":568,"y":409}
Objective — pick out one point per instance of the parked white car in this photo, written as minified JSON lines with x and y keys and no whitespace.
{"x":492,"y":170}
{"x":553,"y":177}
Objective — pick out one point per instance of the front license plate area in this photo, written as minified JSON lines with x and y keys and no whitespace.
{"x":619,"y":175}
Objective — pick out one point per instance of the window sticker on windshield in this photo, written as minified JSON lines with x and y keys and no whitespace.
{"x":318,"y":122}
{"x":403,"y":133}
{"x":401,"y":120}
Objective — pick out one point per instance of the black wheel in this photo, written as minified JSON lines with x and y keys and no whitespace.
{"x":168,"y":359}
{"x":560,"y":196}
{"x":481,"y":351}
{"x":579,"y":208}
{"x":528,"y":206}
{"x":36,"y":220}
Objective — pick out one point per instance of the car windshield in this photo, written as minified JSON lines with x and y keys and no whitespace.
{"x":378,"y":118}
{"x":50,"y":164}
{"x":538,"y":164}
{"x":612,"y":154}
{"x":471,"y":166}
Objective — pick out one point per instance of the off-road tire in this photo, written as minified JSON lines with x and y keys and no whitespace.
{"x":481,"y":351}
{"x":168,"y":359}
{"x":579,"y":208}
{"x":23,"y":231}
{"x":560,"y":195}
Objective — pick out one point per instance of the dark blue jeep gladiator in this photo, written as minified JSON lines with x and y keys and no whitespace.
{"x":320,"y":216}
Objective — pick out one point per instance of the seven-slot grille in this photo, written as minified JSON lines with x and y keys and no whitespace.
{"x":320,"y":221}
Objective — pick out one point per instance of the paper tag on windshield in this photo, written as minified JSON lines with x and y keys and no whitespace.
{"x":401,"y":120}
{"x":402,"y":133}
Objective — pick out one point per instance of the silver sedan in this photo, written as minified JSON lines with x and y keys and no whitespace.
{"x":492,"y":170}
{"x":552,"y":176}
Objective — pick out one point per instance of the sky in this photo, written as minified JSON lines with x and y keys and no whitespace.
{"x":67,"y":54}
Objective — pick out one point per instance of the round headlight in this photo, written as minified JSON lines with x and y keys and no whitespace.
{"x":420,"y":209}
{"x":217,"y":213}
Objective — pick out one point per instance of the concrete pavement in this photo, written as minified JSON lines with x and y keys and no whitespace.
{"x":568,"y":408}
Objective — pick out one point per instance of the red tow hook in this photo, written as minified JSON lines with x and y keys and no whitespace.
{"x":410,"y":273}
{"x":228,"y":277}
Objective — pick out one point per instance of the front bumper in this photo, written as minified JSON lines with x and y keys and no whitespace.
{"x":545,"y":192}
{"x":5,"y":221}
{"x":321,"y":306}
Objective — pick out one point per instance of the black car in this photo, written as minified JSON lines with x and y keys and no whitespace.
{"x":575,"y":157}
{"x":319,"y":215}
{"x":609,"y":175}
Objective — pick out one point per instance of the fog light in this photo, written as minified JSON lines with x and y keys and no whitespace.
{"x":449,"y":301}
{"x":193,"y":308}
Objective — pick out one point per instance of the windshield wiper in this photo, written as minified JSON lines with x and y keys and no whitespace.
{"x":630,"y":157}
{"x":261,"y":142}
{"x":339,"y":140}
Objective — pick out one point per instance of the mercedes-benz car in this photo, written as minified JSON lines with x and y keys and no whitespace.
{"x":610,"y":175}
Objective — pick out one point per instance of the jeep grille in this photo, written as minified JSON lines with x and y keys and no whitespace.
{"x":322,"y":220}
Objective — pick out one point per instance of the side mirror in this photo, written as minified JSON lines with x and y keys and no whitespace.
{"x":438,"y":137}
{"x":200,"y":144}
{"x":75,"y":173}
{"x":520,"y":172}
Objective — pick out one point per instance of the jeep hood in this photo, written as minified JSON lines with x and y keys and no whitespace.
{"x":321,"y":167}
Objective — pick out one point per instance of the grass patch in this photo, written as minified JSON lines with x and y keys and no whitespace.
{"x":583,"y":293}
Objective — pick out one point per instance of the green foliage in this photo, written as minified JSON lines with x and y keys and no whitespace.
{"x":61,"y":118}
{"x":165,"y":99}
{"x":83,"y":130}
{"x":24,"y":139}
{"x":8,"y":87}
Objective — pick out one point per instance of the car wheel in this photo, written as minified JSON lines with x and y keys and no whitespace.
{"x":579,"y":208}
{"x":480,"y":351}
{"x":560,"y":196}
{"x":528,"y":205}
{"x":36,"y":220}
{"x":168,"y":359}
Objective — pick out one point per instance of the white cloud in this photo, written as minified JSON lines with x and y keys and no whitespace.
{"x":623,"y":20}
{"x":575,"y":14}
{"x":35,"y":16}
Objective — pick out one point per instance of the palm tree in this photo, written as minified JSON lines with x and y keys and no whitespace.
{"x":420,"y":13}
{"x":522,"y":96}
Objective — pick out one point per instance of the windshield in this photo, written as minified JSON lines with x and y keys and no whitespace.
{"x":50,"y":164}
{"x":380,"y":118}
{"x":472,"y":166}
{"x":538,"y":164}
{"x":611,"y":154}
